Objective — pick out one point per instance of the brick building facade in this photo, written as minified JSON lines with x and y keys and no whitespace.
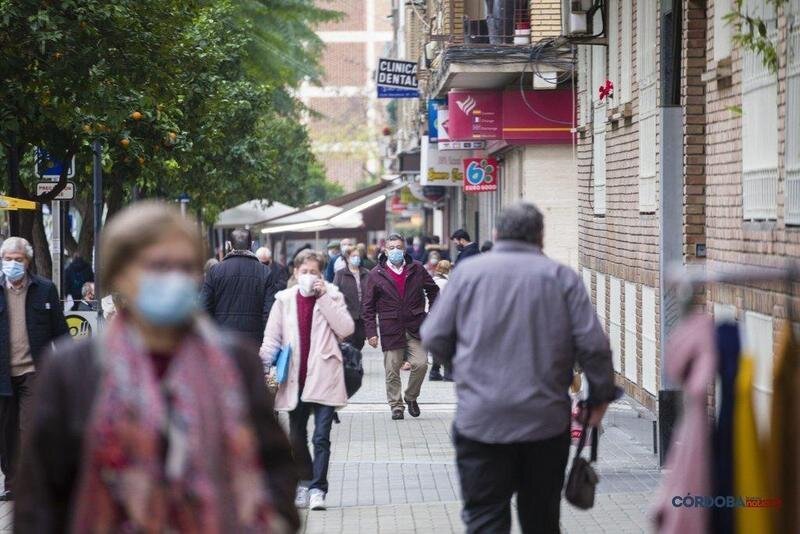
{"x":738,"y":130}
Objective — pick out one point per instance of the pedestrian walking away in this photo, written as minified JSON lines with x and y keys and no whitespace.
{"x":280,"y":276}
{"x":310,"y":318}
{"x":163,"y":423}
{"x":515,"y":323}
{"x":351,"y":282}
{"x":334,"y":253}
{"x":395,"y":295}
{"x":31,"y":319}
{"x":239,"y":292}
{"x":464,"y":245}
{"x":77,"y":273}
{"x":441,"y":275}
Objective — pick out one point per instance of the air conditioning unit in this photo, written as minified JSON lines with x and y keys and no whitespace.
{"x":576,"y":17}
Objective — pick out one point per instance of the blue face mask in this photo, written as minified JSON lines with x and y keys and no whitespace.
{"x":14,"y":270}
{"x":396,"y":256}
{"x":355,"y":260}
{"x":167,"y":298}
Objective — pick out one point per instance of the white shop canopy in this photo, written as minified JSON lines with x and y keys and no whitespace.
{"x":343,"y":212}
{"x":250,"y":213}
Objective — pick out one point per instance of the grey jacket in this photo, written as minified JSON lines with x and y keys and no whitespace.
{"x":514,"y":323}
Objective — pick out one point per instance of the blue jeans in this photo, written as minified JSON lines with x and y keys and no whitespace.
{"x":317,"y":470}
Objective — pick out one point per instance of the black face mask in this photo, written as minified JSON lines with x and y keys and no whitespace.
{"x":460,"y":248}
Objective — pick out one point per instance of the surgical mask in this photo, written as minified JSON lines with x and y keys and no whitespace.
{"x":396,"y":256}
{"x":434,"y":261}
{"x":14,"y":270}
{"x":167,"y":298}
{"x":355,"y":260}
{"x":332,"y":254}
{"x":306,"y":284}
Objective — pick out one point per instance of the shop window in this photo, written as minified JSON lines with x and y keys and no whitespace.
{"x":615,"y":324}
{"x":649,"y":373}
{"x":631,"y":367}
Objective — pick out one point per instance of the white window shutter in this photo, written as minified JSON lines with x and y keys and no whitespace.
{"x":723,"y":32}
{"x":599,"y":159}
{"x":647,"y":74}
{"x":792,"y":119}
{"x":626,"y":52}
{"x":631,"y":349}
{"x":613,"y":44}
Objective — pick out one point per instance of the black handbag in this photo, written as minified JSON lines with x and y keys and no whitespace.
{"x":582,"y":479}
{"x":353,"y":370}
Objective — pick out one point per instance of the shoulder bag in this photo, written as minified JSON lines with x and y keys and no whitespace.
{"x":582,"y":479}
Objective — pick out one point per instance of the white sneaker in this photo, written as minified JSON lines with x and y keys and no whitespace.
{"x":317,"y":499}
{"x":301,"y":497}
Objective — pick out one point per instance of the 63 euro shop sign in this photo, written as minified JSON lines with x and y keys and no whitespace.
{"x":480,"y":175}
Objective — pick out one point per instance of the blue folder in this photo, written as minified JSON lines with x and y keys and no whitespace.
{"x":281,"y":362}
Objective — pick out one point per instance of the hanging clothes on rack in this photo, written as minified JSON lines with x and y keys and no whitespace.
{"x":749,"y":465}
{"x":784,"y":446}
{"x":693,"y":363}
{"x":728,"y":347}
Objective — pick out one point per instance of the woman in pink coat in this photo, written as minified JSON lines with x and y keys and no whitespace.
{"x":311,"y":317}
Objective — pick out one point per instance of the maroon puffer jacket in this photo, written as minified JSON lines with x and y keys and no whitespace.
{"x":397,"y":316}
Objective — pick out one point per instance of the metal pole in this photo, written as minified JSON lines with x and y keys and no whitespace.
{"x":97,"y":191}
{"x":55,"y":250}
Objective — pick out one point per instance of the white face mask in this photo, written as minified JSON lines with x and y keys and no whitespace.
{"x":306,"y":284}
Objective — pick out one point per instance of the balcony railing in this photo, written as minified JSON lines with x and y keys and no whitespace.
{"x":481,"y":22}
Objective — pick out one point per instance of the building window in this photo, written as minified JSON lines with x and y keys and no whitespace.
{"x":631,"y":369}
{"x":587,"y":281}
{"x":723,"y":32}
{"x":615,"y":325}
{"x":612,"y":30}
{"x":626,"y":52}
{"x":759,"y":129}
{"x":792,"y":214}
{"x":647,"y":17}
{"x":758,"y":342}
{"x":649,"y":373}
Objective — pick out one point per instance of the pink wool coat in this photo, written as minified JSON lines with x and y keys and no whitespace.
{"x":325,"y":375}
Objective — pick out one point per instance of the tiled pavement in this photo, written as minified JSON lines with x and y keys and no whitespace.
{"x":400,"y":477}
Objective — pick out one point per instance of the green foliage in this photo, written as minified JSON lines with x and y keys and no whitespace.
{"x":752,"y":32}
{"x":187,"y":96}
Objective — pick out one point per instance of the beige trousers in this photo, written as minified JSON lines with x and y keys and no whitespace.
{"x":393,"y":360}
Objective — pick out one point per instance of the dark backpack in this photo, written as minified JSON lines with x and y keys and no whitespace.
{"x":353,"y":370}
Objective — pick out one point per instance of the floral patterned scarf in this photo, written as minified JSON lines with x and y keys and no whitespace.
{"x":178,"y":455}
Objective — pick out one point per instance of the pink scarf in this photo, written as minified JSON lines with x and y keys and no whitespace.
{"x":211,"y":479}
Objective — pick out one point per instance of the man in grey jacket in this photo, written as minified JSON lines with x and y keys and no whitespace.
{"x":514,"y":323}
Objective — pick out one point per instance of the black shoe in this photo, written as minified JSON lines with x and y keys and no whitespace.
{"x":435,"y":376}
{"x":336,"y":418}
{"x":397,"y":414}
{"x":6,"y":496}
{"x":413,"y":409}
{"x":447,"y":378}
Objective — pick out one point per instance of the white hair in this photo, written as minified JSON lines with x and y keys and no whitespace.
{"x":263,"y":253}
{"x":17,"y":244}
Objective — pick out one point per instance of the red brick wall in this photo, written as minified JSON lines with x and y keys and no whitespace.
{"x":353,"y":16}
{"x":345,"y":64}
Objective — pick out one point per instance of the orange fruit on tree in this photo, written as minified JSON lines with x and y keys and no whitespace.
{"x":124,"y":142}
{"x":137,"y":116}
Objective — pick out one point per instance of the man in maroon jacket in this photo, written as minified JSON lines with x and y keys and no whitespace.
{"x":395,"y":292}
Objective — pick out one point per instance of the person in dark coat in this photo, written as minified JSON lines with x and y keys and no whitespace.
{"x":351,"y":282}
{"x":77,"y":273}
{"x":395,"y":295}
{"x":239,"y":292}
{"x":279,"y":273}
{"x":464,"y":245}
{"x":164,"y":423}
{"x":334,"y":253}
{"x":31,"y":318}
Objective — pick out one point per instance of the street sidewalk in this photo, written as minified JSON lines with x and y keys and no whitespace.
{"x":399,"y":476}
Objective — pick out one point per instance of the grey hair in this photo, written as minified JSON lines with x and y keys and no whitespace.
{"x":87,"y":288}
{"x":17,"y":244}
{"x":395,"y":237}
{"x":263,"y":252}
{"x":521,"y":222}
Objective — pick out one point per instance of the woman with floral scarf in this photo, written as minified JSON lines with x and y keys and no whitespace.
{"x":160,"y":423}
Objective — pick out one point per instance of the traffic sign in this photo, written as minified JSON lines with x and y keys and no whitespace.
{"x":46,"y":167}
{"x":68,"y":193}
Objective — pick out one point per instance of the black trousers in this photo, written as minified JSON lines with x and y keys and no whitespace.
{"x":15,"y":417}
{"x":313,"y":471}
{"x":491,"y":474}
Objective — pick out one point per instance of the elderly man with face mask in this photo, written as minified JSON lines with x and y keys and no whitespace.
{"x":31,"y":318}
{"x":395,"y":294}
